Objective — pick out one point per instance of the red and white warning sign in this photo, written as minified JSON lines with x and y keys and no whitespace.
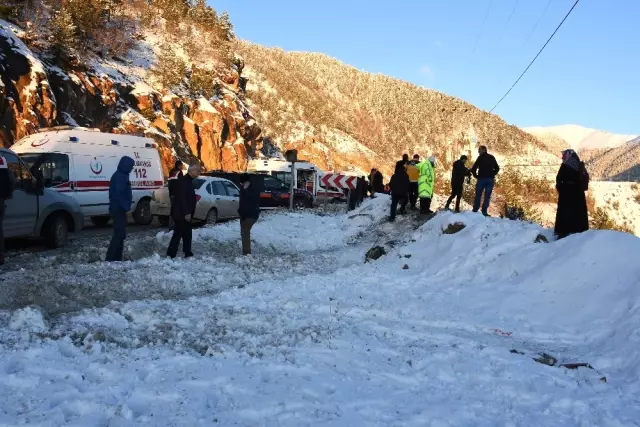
{"x":339,"y":181}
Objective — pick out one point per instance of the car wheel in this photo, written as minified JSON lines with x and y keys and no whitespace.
{"x":299,"y":203}
{"x":212,"y":217}
{"x":56,"y":232}
{"x":100,"y":221}
{"x":142,"y":214}
{"x":163,"y":220}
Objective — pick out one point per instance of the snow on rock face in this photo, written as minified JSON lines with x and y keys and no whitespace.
{"x":26,"y":100}
{"x":305,"y":333}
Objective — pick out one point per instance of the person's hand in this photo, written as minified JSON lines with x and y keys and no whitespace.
{"x":187,"y":217}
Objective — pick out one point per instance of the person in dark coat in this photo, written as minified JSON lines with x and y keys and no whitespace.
{"x":248,"y":210}
{"x":7,"y":185}
{"x":174,"y":176}
{"x":120,"y":201}
{"x":485,"y":170}
{"x":399,"y":190}
{"x":361,"y":190}
{"x":458,"y":175}
{"x":572,"y":216}
{"x":378,"y":182}
{"x":182,"y":212}
{"x":371,"y":179}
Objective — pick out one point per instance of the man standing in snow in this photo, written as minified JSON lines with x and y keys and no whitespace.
{"x":182,"y":212}
{"x":399,"y":190}
{"x":458,"y":175}
{"x":414,"y":175}
{"x":7,"y":185}
{"x":484,"y":170}
{"x":426,"y":183}
{"x":174,"y":176}
{"x":249,"y":211}
{"x":120,"y":201}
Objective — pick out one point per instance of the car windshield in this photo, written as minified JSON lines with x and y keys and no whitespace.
{"x":54,"y":167}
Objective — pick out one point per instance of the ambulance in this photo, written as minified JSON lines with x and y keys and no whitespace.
{"x":306,"y":177}
{"x":79,"y":162}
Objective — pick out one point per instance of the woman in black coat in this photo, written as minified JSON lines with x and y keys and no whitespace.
{"x":572,"y":216}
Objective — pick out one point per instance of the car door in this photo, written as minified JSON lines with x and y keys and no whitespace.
{"x":221,"y":198}
{"x":233,"y":198}
{"x":21,"y":211}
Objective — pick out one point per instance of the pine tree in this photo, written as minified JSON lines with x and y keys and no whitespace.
{"x":170,"y":70}
{"x":64,"y":30}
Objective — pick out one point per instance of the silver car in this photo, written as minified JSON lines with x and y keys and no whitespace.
{"x":35,"y":211}
{"x":217,"y":199}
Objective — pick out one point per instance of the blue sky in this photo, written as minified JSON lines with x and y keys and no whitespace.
{"x":588,"y":75}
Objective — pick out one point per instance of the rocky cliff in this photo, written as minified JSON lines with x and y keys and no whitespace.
{"x":38,"y":90}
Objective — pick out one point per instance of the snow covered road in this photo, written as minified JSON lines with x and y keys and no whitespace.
{"x":441,"y":331}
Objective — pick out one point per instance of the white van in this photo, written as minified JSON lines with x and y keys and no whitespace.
{"x":79,"y":162}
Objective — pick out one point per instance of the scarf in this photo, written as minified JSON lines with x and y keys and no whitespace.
{"x":572,"y":160}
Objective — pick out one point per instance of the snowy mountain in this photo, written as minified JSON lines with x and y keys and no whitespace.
{"x":615,"y":164}
{"x":340,"y":116}
{"x":465,"y":321}
{"x":580,"y":138}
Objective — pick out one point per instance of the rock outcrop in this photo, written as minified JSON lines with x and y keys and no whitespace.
{"x":38,"y":92}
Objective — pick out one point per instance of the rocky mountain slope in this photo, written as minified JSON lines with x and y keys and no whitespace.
{"x":52,"y":74}
{"x":344,"y":118}
{"x":580,"y":138}
{"x":615,"y":164}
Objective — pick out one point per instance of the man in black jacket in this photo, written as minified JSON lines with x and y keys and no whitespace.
{"x":7,"y":184}
{"x":182,"y":211}
{"x":458,"y":174}
{"x":484,"y":170}
{"x":399,"y":190}
{"x":174,"y":176}
{"x":249,"y":210}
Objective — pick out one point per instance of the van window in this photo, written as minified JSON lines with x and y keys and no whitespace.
{"x":53,"y":166}
{"x":283,"y":176}
{"x":272,"y":183}
{"x":18,"y":170}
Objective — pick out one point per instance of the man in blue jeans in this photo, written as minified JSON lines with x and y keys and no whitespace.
{"x":484,"y":170}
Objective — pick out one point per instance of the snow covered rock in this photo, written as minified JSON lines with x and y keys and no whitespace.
{"x":28,"y":319}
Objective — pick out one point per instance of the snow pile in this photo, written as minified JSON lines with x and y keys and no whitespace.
{"x":441,"y":331}
{"x":28,"y":319}
{"x":312,"y":232}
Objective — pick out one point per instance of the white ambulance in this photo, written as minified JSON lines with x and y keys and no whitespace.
{"x":79,"y":162}
{"x":307,"y":177}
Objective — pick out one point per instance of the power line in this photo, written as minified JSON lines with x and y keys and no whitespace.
{"x":537,"y":23}
{"x":484,"y":22}
{"x":536,"y":57}
{"x":511,"y":14}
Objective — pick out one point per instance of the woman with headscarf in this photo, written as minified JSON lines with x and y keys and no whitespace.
{"x":571,"y":182}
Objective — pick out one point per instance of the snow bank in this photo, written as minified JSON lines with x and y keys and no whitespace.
{"x":442,"y":331}
{"x":296,"y":232}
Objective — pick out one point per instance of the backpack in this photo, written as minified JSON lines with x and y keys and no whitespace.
{"x":584,"y":177}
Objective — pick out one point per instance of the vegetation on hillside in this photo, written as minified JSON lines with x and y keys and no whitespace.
{"x":387,"y":115}
{"x":77,"y":29}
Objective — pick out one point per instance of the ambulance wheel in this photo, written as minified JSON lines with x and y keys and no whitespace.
{"x":300,"y":203}
{"x":100,"y":221}
{"x":163,"y":220}
{"x":142,"y":214}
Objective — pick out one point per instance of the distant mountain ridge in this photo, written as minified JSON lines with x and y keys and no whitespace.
{"x":581,"y":138}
